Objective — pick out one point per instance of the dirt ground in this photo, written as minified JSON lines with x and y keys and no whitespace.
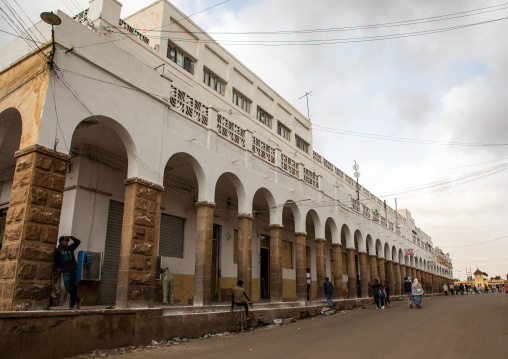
{"x":474,"y":326}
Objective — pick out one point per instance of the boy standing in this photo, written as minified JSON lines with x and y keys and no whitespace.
{"x":66,"y":262}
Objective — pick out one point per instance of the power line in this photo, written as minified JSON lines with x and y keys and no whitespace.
{"x":476,"y":244}
{"x":320,"y":42}
{"x":352,"y":28}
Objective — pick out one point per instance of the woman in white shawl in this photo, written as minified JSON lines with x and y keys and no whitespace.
{"x":417,"y":292}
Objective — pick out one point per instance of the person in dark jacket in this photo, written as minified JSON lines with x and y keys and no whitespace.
{"x":328,"y":287}
{"x":66,"y":262}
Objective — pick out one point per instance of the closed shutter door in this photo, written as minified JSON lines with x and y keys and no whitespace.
{"x":112,"y":253}
{"x":287,"y":255}
{"x":171,"y":236}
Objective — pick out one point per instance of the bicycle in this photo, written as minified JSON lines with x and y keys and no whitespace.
{"x":241,"y":322}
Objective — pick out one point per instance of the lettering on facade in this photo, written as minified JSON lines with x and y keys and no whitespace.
{"x":133,"y":31}
{"x":409,"y":252}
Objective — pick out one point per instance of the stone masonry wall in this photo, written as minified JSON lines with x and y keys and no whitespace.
{"x":31,"y":232}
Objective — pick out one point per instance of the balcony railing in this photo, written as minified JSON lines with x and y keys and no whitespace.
{"x":355,"y":204}
{"x":366,"y":211}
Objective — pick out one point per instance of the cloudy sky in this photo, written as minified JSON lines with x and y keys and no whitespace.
{"x":424,"y":114}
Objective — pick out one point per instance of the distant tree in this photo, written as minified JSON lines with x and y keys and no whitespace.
{"x":495,"y":278}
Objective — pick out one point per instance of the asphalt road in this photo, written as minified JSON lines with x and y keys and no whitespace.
{"x":474,"y":326}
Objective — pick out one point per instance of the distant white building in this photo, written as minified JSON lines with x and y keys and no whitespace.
{"x":177,"y":152}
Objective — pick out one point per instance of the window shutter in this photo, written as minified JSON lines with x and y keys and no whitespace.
{"x":287,"y":255}
{"x":171,"y":236}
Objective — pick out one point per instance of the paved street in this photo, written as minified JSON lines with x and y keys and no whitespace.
{"x":474,"y":326}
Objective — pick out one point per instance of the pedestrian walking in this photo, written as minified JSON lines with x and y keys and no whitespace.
{"x":452,"y":289}
{"x":417,"y":292}
{"x":382,"y":296}
{"x":407,"y":290}
{"x":445,"y":289}
{"x":328,"y":287}
{"x":461,"y":289}
{"x":308,"y":284}
{"x":66,"y":262}
{"x":467,"y":289}
{"x":375,"y":293}
{"x":387,"y":295}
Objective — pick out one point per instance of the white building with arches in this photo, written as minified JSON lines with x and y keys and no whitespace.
{"x":164,"y":150}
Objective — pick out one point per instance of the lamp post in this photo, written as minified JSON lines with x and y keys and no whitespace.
{"x":357,"y":175}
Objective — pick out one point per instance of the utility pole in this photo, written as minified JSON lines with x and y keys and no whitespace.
{"x":308,"y":111}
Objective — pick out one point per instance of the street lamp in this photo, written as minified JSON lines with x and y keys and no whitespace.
{"x":357,"y":175}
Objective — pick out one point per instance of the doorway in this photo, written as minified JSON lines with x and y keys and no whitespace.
{"x":264,"y":276}
{"x":216,"y":262}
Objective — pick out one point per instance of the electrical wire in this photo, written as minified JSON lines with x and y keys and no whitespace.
{"x":317,"y":127}
{"x":349,"y":28}
{"x":320,"y":42}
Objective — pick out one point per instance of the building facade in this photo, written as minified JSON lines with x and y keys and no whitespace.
{"x":156,"y":147}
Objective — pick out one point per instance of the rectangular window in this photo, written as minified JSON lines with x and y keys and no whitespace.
{"x":171,"y":236}
{"x":287,"y":255}
{"x":241,"y":101}
{"x":301,"y":144}
{"x":264,"y":118}
{"x":180,"y":58}
{"x":284,"y":131}
{"x":213,"y":81}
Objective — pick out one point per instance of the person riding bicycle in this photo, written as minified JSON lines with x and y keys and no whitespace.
{"x":237,"y":298}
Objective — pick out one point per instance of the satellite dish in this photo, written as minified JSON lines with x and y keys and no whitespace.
{"x":356,"y":166}
{"x":357,"y":174}
{"x":50,"y":18}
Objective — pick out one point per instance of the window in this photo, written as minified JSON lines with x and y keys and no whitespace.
{"x":284,"y":131}
{"x":241,"y":101}
{"x":301,"y":144}
{"x":180,"y":58}
{"x":171,"y":236}
{"x":264,"y":118}
{"x":213,"y":81}
{"x":287,"y":255}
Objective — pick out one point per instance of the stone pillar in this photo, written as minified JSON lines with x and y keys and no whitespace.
{"x":389,"y":274}
{"x":301,"y":266}
{"x":320,"y":266}
{"x":245,"y":251}
{"x":276,"y":263}
{"x":398,"y":283}
{"x":364,"y":290}
{"x":351,"y":272}
{"x":139,"y":244}
{"x":413,"y":273}
{"x":31,"y":231}
{"x":419,"y":276}
{"x":402,"y":272}
{"x":382,"y":270}
{"x":373,"y":268}
{"x":337,"y":270}
{"x":204,"y":247}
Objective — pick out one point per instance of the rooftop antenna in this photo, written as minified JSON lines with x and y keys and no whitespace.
{"x":53,"y":20}
{"x":307,"y":95}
